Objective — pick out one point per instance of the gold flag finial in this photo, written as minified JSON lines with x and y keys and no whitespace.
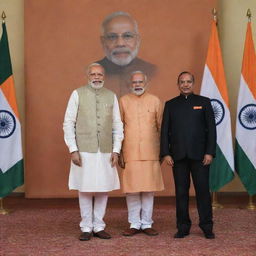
{"x":3,"y":16}
{"x":249,"y":15}
{"x":214,"y":13}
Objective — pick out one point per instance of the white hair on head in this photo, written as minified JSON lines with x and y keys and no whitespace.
{"x":94,"y":64}
{"x":117,"y":14}
{"x":139,"y":72}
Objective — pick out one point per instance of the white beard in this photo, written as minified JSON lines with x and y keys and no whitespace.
{"x":138,"y":92}
{"x":97,"y":85}
{"x":122,"y":61}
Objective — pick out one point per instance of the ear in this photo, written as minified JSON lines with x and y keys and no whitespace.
{"x":138,"y":38}
{"x":102,"y":40}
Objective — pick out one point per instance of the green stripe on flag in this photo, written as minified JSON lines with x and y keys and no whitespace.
{"x":220,"y":171}
{"x":11,"y":179}
{"x":5,"y":59}
{"x":245,"y":169}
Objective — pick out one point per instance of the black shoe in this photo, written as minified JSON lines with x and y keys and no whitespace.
{"x":150,"y":232}
{"x":102,"y":235}
{"x":85,"y":236}
{"x":131,"y":232}
{"x":209,"y":235}
{"x":181,"y":234}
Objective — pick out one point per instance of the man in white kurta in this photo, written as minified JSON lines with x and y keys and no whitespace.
{"x":93,"y":132}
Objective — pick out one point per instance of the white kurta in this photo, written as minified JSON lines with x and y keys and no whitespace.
{"x":96,"y":173}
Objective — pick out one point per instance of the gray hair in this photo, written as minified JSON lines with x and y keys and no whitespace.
{"x":94,"y":64}
{"x":117,"y":14}
{"x":139,"y":72}
{"x":183,"y":73}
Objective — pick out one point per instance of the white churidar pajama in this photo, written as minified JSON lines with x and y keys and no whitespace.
{"x":140,"y":209}
{"x":92,"y":215}
{"x":96,"y":176}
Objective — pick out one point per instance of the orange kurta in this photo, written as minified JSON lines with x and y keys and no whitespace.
{"x":141,"y":116}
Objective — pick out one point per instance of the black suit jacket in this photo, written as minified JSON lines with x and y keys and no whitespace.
{"x":188,"y":128}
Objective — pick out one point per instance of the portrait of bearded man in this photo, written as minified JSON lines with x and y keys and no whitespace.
{"x":120,"y":40}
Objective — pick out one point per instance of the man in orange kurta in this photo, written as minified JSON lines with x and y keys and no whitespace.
{"x":141,"y":114}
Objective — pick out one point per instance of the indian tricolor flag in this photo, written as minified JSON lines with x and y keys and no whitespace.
{"x":214,"y":87}
{"x":11,"y":159}
{"x":245,"y":148}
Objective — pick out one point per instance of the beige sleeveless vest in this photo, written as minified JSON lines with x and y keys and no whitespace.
{"x":94,"y":120}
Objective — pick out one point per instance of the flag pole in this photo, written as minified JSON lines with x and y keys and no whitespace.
{"x":215,"y":204}
{"x":3,"y":17}
{"x":249,"y":15}
{"x":251,"y":205}
{"x":214,"y":14}
{"x":2,"y":210}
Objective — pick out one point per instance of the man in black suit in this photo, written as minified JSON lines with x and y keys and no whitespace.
{"x":120,"y":40}
{"x":188,"y":143}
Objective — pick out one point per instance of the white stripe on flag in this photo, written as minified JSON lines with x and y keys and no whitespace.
{"x":245,"y":137}
{"x":11,"y":149}
{"x":224,"y":136}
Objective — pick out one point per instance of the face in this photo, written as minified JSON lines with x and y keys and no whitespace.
{"x":96,"y":77}
{"x":138,"y":84}
{"x":120,"y":40}
{"x":186,"y":84}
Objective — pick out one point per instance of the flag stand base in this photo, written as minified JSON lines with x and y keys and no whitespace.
{"x":2,"y":210}
{"x":251,"y":205}
{"x":215,"y":204}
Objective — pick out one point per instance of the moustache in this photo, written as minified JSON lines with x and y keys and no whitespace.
{"x":137,"y":89}
{"x":97,"y":81}
{"x":121,"y":50}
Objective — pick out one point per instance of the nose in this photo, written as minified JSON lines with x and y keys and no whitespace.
{"x":136,"y":83}
{"x":120,"y":41}
{"x":186,"y":83}
{"x":97,"y":76}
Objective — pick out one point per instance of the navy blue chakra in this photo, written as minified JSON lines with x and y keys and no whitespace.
{"x":7,"y":124}
{"x":218,"y":110}
{"x":247,"y":116}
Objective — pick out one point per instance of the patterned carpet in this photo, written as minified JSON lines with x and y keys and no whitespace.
{"x":50,"y":228}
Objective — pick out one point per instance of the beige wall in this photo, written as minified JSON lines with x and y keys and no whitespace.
{"x":232,"y":25}
{"x":14,"y":10}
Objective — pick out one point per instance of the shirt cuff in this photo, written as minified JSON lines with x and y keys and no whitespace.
{"x":116,"y":150}
{"x":73,"y":149}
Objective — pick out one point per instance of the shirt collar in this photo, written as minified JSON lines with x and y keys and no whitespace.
{"x":187,"y":96}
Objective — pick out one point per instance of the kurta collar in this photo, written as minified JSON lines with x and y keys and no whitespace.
{"x":187,"y":96}
{"x":138,"y":97}
{"x":95,"y":90}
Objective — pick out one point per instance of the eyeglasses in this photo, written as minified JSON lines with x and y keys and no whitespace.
{"x":127,"y":37}
{"x":138,"y":82}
